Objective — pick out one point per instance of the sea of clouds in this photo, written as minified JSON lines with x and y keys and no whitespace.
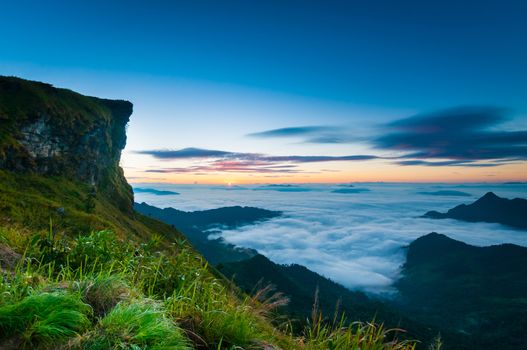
{"x":354,"y":237}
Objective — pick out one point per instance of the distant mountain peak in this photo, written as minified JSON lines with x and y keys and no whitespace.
{"x":489,"y":208}
{"x":490,"y":196}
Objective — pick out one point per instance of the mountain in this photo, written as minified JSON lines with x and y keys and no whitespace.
{"x":300,"y":285}
{"x":198,"y":225}
{"x":489,"y":208}
{"x":229,"y":217}
{"x":467,"y":290}
{"x":154,"y":191}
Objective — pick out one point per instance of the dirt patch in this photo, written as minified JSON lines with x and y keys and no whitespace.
{"x":8,"y":257}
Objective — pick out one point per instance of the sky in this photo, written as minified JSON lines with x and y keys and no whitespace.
{"x":235,"y":92}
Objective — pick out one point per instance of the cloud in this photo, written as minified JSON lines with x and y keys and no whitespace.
{"x":357,"y":239}
{"x":199,"y":153}
{"x":283,"y":188}
{"x":316,"y":159}
{"x":350,"y":190}
{"x":310,"y":134}
{"x":224,"y":161}
{"x":459,"y":135}
{"x":232,"y":166}
{"x":186,"y":153}
{"x":464,"y":163}
{"x":294,"y":131}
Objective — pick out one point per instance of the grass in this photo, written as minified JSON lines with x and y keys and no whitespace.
{"x":44,"y":319}
{"x":138,"y":325}
{"x":29,"y":201}
{"x":114,"y":294}
{"x":103,"y":292}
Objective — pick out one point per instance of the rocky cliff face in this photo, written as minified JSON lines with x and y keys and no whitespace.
{"x":57,"y":132}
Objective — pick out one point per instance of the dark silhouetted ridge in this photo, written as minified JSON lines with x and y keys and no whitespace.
{"x":462,"y":289}
{"x":489,"y":208}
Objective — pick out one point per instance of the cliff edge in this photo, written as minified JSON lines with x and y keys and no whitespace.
{"x":57,"y":132}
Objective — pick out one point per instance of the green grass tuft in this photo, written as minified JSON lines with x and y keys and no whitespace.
{"x":139,"y":325}
{"x":45,"y":319}
{"x":103,"y":292}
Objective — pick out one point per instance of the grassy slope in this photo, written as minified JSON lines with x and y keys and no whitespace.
{"x":29,"y":201}
{"x":32,"y":200}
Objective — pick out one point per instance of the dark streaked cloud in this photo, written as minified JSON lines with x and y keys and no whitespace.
{"x":446,"y":163}
{"x":316,"y":159}
{"x":190,"y":153}
{"x":185,"y":153}
{"x":460,"y":136}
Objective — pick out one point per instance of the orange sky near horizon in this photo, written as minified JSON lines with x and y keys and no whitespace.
{"x":367,"y":171}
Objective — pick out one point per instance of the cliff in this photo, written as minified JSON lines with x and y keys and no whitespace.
{"x":57,"y":132}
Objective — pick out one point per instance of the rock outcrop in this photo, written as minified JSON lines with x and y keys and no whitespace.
{"x":57,"y":132}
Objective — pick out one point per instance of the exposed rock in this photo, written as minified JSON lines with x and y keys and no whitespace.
{"x":57,"y":132}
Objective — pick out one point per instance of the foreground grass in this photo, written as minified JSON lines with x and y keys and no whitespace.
{"x":43,"y":319}
{"x":142,"y":325}
{"x":97,"y":292}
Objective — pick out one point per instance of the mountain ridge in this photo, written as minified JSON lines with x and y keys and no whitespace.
{"x":462,"y":289}
{"x":489,"y":208}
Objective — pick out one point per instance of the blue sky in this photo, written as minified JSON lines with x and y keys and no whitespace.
{"x":205,"y":74}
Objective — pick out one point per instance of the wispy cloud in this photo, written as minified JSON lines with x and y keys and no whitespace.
{"x":294,"y":131}
{"x":310,"y":134}
{"x":224,"y":161}
{"x":232,"y":166}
